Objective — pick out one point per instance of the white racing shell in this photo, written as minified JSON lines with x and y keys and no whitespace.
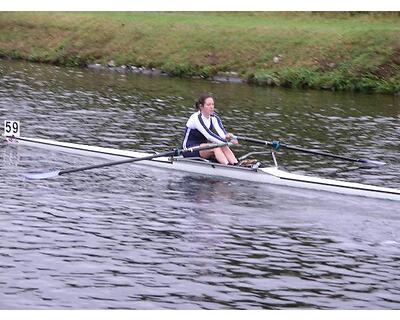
{"x":269,"y":175}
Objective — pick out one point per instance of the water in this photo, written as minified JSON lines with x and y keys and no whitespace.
{"x":130,"y":237}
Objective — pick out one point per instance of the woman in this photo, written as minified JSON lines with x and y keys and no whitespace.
{"x":199,"y":132}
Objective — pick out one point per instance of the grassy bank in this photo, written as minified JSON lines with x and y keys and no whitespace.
{"x":334,"y":51}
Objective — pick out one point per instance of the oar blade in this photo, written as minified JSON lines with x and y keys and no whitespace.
{"x":373,"y":163}
{"x":41,"y":175}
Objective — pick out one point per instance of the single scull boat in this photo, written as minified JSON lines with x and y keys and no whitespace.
{"x":269,"y":175}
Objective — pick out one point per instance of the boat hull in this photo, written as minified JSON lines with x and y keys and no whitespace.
{"x":270,"y":175}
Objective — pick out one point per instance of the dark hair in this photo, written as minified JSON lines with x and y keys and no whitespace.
{"x":202,"y":99}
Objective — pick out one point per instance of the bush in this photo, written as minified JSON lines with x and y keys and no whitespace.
{"x":298,"y":78}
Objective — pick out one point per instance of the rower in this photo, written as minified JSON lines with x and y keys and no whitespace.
{"x":200,"y":132}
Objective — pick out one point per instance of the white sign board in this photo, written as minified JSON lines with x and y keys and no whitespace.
{"x":11,"y":128}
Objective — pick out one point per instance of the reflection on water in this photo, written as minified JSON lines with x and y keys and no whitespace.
{"x":140,"y":238}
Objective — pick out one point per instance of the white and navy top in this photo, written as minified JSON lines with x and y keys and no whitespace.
{"x":200,"y":130}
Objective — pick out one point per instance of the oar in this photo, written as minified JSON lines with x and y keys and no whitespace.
{"x":320,"y":153}
{"x":175,"y":152}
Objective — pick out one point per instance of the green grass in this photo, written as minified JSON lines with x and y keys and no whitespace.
{"x":335,"y":51}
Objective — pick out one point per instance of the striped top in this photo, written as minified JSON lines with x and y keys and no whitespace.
{"x":200,"y":130}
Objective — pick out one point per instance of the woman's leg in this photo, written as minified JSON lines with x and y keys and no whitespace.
{"x":217,"y":153}
{"x":229,"y":155}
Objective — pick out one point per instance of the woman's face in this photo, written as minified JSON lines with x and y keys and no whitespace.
{"x":208,"y":108}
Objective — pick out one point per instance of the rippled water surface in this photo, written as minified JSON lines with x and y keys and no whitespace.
{"x":133,"y":237}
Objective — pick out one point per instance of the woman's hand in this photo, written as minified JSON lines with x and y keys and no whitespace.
{"x":232,"y":138}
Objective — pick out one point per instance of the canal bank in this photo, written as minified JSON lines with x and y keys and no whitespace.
{"x":328,"y":51}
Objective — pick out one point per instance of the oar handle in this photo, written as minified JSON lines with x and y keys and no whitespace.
{"x":258,"y":141}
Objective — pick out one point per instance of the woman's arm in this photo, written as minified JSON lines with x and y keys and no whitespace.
{"x":211,"y":136}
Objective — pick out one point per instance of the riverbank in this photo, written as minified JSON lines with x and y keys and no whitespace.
{"x":330,"y":51}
